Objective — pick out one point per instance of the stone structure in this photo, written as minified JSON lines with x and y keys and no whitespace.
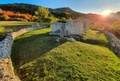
{"x":72,"y":27}
{"x":6,"y":71}
{"x":56,"y":28}
{"x":114,"y":43}
{"x":22,"y":31}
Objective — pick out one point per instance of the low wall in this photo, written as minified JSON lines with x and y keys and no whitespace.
{"x":22,"y":31}
{"x":6,"y":70}
{"x":114,"y":43}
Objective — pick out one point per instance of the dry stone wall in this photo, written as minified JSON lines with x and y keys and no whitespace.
{"x":6,"y":71}
{"x":114,"y":43}
{"x":72,"y":27}
{"x":22,"y":31}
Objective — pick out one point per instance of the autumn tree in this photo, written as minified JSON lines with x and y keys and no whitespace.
{"x":42,"y":13}
{"x":11,"y":16}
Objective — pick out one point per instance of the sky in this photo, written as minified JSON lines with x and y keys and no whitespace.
{"x":84,"y":6}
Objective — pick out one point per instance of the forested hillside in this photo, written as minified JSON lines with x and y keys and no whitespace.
{"x":21,"y":8}
{"x":30,"y":9}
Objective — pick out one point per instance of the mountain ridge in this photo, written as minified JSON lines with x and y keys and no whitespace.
{"x":31,"y":8}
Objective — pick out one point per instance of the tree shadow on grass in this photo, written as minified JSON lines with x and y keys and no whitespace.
{"x":27,"y":49}
{"x":96,"y":42}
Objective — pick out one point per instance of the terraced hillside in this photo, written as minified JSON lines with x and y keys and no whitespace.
{"x":37,"y":56}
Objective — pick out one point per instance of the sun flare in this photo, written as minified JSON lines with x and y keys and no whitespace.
{"x":106,"y":12}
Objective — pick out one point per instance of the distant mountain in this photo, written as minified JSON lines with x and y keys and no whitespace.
{"x":30,"y":9}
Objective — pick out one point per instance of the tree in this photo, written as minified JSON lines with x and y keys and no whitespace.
{"x":49,"y":20}
{"x":1,"y":11}
{"x":115,"y":28}
{"x":42,"y":13}
{"x":63,"y":20}
{"x":61,"y":15}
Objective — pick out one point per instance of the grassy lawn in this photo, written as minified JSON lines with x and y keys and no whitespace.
{"x":96,"y":38}
{"x":38,"y":57}
{"x":10,"y":26}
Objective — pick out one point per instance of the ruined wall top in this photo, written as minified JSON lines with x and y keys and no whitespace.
{"x":72,"y":27}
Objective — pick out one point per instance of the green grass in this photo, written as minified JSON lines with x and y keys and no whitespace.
{"x":15,"y":25}
{"x":10,"y":26}
{"x":38,"y":57}
{"x":96,"y":38}
{"x":32,"y":44}
{"x":2,"y":32}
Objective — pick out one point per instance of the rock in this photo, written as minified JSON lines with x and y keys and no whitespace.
{"x":54,"y":34}
{"x":1,"y":74}
{"x":58,"y":40}
{"x":70,"y":39}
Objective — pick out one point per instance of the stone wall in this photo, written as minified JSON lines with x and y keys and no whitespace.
{"x":6,"y":70}
{"x":22,"y":31}
{"x":56,"y":28}
{"x":114,"y":43}
{"x":72,"y":27}
{"x":77,"y":27}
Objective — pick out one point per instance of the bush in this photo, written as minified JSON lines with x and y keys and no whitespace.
{"x":2,"y":29}
{"x":115,"y":28}
{"x":62,"y":20}
{"x":2,"y":33}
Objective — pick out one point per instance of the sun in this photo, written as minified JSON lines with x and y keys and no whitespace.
{"x":106,"y":12}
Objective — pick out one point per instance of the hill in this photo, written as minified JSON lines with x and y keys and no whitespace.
{"x":19,"y":7}
{"x":74,"y":14}
{"x":65,"y":9}
{"x":38,"y":57}
{"x":30,"y":9}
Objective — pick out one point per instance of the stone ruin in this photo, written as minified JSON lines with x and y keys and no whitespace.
{"x":74,"y":28}
{"x":71,"y":28}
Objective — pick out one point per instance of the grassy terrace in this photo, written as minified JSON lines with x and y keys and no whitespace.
{"x":96,"y":38}
{"x":38,"y":57}
{"x":10,"y":26}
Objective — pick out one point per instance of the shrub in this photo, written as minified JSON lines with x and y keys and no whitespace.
{"x":2,"y":29}
{"x":62,"y":20}
{"x":2,"y":33}
{"x":115,"y":28}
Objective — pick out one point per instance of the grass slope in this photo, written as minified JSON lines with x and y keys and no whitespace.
{"x":10,"y":26}
{"x":37,"y":57}
{"x":96,"y":38}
